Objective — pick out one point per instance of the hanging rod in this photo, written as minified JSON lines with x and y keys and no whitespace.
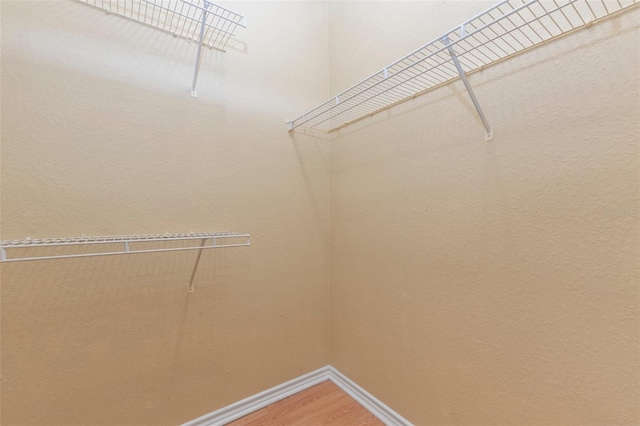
{"x":504,"y":30}
{"x":199,"y":21}
{"x":126,"y":244}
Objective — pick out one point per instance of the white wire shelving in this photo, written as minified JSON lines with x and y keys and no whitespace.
{"x":65,"y":248}
{"x":504,"y":30}
{"x":199,"y":21}
{"x":39,"y":249}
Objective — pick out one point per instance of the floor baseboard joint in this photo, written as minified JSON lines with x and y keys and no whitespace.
{"x":260,"y":400}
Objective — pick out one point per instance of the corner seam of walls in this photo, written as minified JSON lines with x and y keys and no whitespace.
{"x":329,"y":254}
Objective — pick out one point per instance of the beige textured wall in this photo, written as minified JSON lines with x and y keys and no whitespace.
{"x":471,"y":282}
{"x":479,"y":283}
{"x":101,"y":136}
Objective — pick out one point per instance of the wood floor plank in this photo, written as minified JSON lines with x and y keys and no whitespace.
{"x":274,"y":413}
{"x":322,"y":405}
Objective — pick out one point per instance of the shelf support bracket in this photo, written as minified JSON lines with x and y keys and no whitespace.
{"x":190,"y":287}
{"x":201,"y":38}
{"x":463,"y":76}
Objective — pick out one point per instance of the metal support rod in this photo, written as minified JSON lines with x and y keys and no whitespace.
{"x":463,"y":76}
{"x":201,"y":38}
{"x":190,"y":287}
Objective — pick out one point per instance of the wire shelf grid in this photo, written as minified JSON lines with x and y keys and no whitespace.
{"x":127,"y":242}
{"x":506,"y":29}
{"x":182,"y":18}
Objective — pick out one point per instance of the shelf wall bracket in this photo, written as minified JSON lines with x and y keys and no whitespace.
{"x":190,"y":287}
{"x":199,"y":21}
{"x":506,"y":29}
{"x":200,"y":40}
{"x":488,"y":135}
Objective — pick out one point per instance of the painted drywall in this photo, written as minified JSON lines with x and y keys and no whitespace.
{"x":471,"y":282}
{"x":100,"y":136}
{"x":479,"y":283}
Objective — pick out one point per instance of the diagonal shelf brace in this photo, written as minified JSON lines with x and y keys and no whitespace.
{"x":200,"y":21}
{"x":190,"y":288}
{"x":506,"y":29}
{"x":200,"y":40}
{"x":463,"y":76}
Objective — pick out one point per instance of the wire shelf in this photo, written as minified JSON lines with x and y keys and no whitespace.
{"x":93,"y":246}
{"x":181,"y":18}
{"x":200,"y":21}
{"x":506,"y":29}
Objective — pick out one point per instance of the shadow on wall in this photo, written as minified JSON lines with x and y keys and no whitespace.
{"x":312,"y":152}
{"x":113,"y":331}
{"x":524,"y":103}
{"x":609,"y":27}
{"x":101,"y":37}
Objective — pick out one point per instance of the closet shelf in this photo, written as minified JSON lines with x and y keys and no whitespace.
{"x":504,"y":30}
{"x":198,"y":21}
{"x":28,"y":249}
{"x":181,"y":18}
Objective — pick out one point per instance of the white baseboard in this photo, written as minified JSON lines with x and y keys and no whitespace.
{"x":260,"y":400}
{"x":368,"y":401}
